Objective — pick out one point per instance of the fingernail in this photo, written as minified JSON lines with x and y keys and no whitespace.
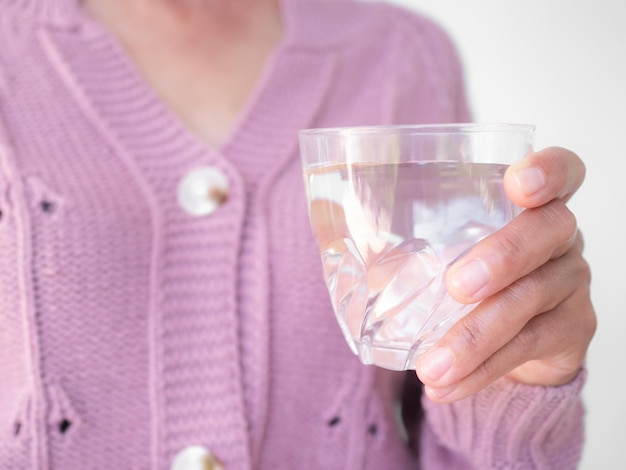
{"x":530,"y":180}
{"x":436,"y":363}
{"x":439,"y":393}
{"x":472,"y":277}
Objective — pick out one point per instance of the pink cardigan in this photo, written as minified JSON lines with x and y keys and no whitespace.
{"x":132,"y":328}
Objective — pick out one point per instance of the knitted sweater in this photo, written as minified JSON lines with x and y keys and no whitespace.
{"x":132,"y":328}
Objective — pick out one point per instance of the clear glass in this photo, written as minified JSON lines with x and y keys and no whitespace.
{"x":391,"y":208}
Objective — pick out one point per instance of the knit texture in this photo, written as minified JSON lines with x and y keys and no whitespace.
{"x":130,"y":329}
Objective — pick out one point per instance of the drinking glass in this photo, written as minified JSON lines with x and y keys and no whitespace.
{"x":391,"y":208}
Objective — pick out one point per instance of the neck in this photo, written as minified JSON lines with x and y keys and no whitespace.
{"x":218,"y":19}
{"x":183,"y":8}
{"x":203,"y":58}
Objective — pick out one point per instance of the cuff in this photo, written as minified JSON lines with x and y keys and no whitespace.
{"x":510,"y":425}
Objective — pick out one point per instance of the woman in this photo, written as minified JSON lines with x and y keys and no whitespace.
{"x":162,"y":302}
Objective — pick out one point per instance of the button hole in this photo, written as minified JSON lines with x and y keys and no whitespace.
{"x":64,"y":425}
{"x":17,"y":427}
{"x":47,"y":206}
{"x":373,"y":429}
{"x":334,"y":421}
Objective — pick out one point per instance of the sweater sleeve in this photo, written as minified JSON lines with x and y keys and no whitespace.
{"x":508,"y":425}
{"x":432,"y":85}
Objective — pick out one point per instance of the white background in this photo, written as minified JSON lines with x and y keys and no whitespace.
{"x":561,"y":64}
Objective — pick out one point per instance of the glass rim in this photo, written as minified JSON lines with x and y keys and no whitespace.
{"x":421,"y":129}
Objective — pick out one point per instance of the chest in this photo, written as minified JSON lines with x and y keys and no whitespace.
{"x":203,"y":66}
{"x":207,"y":96}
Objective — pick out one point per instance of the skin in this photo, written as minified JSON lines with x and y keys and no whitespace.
{"x":536,"y":319}
{"x":181,"y":46}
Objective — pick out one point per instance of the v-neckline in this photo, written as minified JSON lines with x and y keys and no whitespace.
{"x":115,"y":97}
{"x":91,"y":27}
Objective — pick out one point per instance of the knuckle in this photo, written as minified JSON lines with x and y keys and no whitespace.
{"x":591,"y":323}
{"x":584,"y":271}
{"x":526,"y":340}
{"x":509,"y":246}
{"x":529,"y":291}
{"x":488,"y":370}
{"x":532,"y":287}
{"x":473,"y":332}
{"x":565,"y":226}
{"x":588,"y":320}
{"x":558,"y":213}
{"x":578,"y":270}
{"x":579,"y":241}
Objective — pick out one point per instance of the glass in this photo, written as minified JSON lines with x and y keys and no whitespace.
{"x":391,"y":208}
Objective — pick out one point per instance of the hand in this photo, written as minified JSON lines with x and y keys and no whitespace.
{"x":536,"y":319}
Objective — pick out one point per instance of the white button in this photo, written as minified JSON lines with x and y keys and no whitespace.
{"x":195,"y":458}
{"x":203,"y":190}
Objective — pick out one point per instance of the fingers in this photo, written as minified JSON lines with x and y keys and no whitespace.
{"x":514,"y":356}
{"x":539,"y":327}
{"x":552,"y":173}
{"x":542,"y":182}
{"x":530,"y":240}
{"x":535,"y":319}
